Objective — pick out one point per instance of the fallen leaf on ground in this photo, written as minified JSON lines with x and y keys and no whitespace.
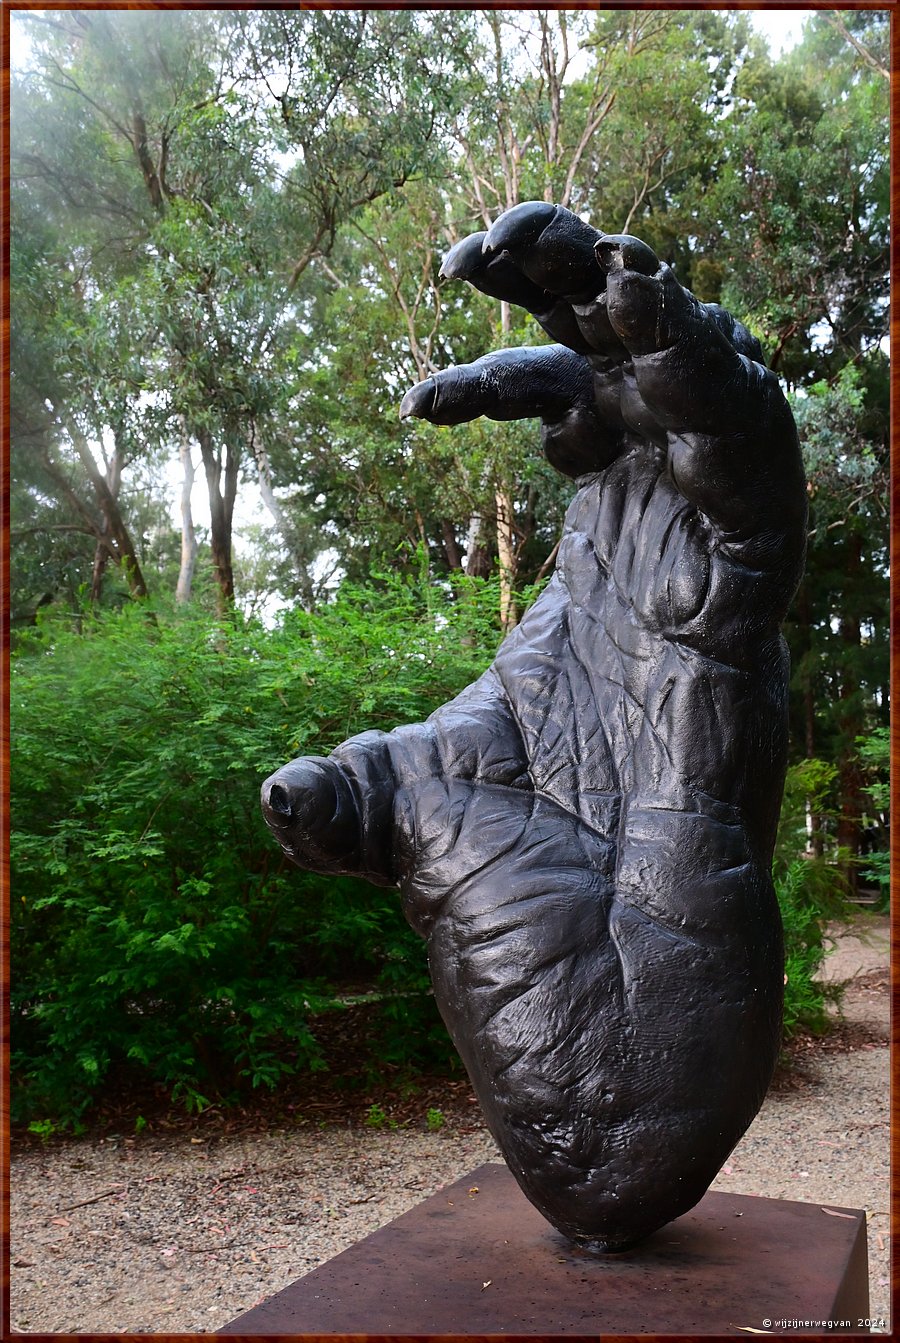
{"x":833,"y":1212}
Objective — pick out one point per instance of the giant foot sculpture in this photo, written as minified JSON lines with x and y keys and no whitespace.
{"x":584,"y":836}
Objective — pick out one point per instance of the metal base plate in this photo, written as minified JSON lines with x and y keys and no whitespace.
{"x":477,"y":1258}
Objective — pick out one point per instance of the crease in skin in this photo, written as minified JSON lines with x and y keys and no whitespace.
{"x":578,"y":754}
{"x":508,"y":1002}
{"x":474,"y":875}
{"x":676,"y":932}
{"x":601,"y":835}
{"x":554,"y":1072}
{"x":575,"y":1078}
{"x":603,"y":681}
{"x":587,"y":760}
{"x":507,"y":1067}
{"x":630,"y":527}
{"x":481,"y":869}
{"x":661,"y":492}
{"x":650,"y":727}
{"x":547,"y":1057}
{"x":663,"y":699}
{"x":689,"y":658}
{"x":467,"y":925}
{"x":588,"y":672}
{"x":534,"y":846}
{"x":541,"y":734}
{"x":535,"y":732}
{"x":455,"y":815}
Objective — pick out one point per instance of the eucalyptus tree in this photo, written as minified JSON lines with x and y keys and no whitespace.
{"x":480,"y":494}
{"x":199,"y":161}
{"x":799,"y":210}
{"x":74,"y":401}
{"x":617,"y":116}
{"x":97,"y":150}
{"x":800,"y":219}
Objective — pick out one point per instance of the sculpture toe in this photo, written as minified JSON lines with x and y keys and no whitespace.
{"x":464,"y":259}
{"x":520,"y":226}
{"x":419,"y":400}
{"x":309,"y":807}
{"x":620,"y":251}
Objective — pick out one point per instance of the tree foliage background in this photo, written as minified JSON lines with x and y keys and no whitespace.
{"x":226,"y":235}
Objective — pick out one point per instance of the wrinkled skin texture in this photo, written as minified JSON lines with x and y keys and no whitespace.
{"x":584,"y":836}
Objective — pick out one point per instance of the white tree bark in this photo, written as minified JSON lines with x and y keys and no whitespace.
{"x":188,"y":534}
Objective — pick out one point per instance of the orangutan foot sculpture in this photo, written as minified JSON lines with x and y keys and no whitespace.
{"x":584,"y":836}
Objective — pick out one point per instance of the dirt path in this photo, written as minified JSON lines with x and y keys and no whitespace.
{"x":179,"y":1234}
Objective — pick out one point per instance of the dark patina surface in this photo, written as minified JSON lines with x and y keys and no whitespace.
{"x":584,"y":836}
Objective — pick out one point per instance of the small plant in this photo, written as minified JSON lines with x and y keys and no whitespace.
{"x":376,"y":1117}
{"x":435,"y":1120}
{"x":43,"y":1128}
{"x":139,"y":1125}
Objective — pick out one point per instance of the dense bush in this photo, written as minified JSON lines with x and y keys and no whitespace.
{"x":155,"y":924}
{"x":809,"y":896}
{"x":811,"y":892}
{"x":157,"y":932}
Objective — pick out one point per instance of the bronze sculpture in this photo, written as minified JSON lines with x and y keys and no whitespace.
{"x":584,"y":836}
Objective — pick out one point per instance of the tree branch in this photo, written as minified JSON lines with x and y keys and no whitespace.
{"x":835,"y":21}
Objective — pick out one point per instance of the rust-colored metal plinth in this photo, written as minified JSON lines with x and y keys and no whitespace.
{"x":477,"y":1258}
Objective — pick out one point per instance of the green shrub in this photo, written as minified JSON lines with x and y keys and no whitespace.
{"x":811,"y":891}
{"x":809,"y":895}
{"x":156,"y":929}
{"x":810,"y":783}
{"x":875,"y":753}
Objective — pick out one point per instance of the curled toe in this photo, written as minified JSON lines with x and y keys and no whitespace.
{"x":419,"y":400}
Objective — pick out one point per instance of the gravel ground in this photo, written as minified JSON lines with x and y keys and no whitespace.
{"x":174,"y":1233}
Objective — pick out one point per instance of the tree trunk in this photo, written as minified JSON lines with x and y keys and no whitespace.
{"x":221,"y":511}
{"x":451,"y":545}
{"x":803,"y":619}
{"x":478,"y":556}
{"x":115,"y":532}
{"x":851,"y":720}
{"x":506,"y":546}
{"x":188,"y":535}
{"x":506,"y":555}
{"x":101,"y":559}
